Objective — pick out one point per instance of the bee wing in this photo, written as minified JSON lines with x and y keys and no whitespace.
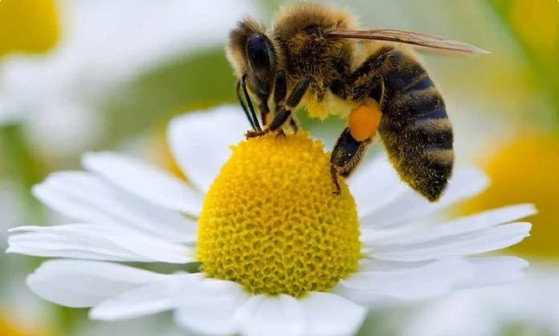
{"x":408,"y":37}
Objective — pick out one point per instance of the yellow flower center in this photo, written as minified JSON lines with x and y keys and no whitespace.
{"x":272,"y":222}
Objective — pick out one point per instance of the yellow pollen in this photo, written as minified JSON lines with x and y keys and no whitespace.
{"x":272,"y":223}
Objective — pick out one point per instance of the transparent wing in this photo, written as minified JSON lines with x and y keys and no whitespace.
{"x":408,"y":37}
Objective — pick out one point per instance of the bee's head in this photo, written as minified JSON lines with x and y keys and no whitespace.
{"x":252,"y":53}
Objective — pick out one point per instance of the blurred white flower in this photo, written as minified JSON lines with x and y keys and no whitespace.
{"x":104,"y":43}
{"x":528,"y":307}
{"x":11,"y":210}
{"x":7,"y":117}
{"x":16,"y":305}
{"x":127,"y":211}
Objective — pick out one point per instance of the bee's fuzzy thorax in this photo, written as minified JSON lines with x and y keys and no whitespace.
{"x":291,"y":20}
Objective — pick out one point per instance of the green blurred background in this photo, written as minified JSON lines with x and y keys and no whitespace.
{"x":86,"y":75}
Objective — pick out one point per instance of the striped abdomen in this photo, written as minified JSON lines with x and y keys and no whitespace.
{"x":414,"y":127}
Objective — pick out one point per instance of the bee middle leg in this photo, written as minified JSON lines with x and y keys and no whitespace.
{"x":284,"y":113}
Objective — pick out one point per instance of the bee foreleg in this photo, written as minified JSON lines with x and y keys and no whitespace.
{"x":280,"y":92}
{"x":280,"y":118}
{"x":280,"y":87}
{"x":264,"y":110}
{"x":294,"y":125}
{"x":283,"y":114}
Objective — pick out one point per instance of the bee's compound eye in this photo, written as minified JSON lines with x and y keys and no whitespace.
{"x":258,"y":51}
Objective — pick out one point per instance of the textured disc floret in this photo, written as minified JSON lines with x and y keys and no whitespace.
{"x":272,"y":222}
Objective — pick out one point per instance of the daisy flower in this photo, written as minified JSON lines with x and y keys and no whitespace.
{"x":266,"y":247}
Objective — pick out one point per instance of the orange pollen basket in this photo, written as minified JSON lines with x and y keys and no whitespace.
{"x":364,"y":121}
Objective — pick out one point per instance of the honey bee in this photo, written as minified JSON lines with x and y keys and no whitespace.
{"x":315,"y":57}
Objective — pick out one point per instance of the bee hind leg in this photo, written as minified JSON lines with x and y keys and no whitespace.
{"x":334,"y":174}
{"x":346,"y":155}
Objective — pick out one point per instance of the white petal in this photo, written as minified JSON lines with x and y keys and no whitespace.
{"x":410,"y":206}
{"x":406,"y":282}
{"x":460,"y":314}
{"x":530,"y":304}
{"x":374,"y":185}
{"x":316,"y":314}
{"x":280,"y":315}
{"x":378,"y":279}
{"x":496,"y":270}
{"x":86,"y":197}
{"x":461,"y":225}
{"x":200,"y":141}
{"x":143,"y":180}
{"x":208,"y":307}
{"x":86,"y":241}
{"x":76,"y":283}
{"x":331,"y":314}
{"x":463,"y":244}
{"x":143,"y":300}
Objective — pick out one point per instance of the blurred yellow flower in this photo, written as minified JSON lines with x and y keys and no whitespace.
{"x":537,"y":24}
{"x":527,"y":170}
{"x":7,"y":328}
{"x":28,"y":26}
